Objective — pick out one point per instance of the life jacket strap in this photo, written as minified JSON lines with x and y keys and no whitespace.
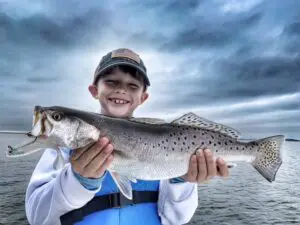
{"x":102,"y":202}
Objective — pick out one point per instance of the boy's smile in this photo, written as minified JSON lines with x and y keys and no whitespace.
{"x":119,"y":94}
{"x":118,"y":101}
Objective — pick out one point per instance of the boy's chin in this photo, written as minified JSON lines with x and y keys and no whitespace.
{"x":119,"y":112}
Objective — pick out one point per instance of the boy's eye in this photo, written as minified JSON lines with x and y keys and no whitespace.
{"x":133,"y":86}
{"x":110,"y":82}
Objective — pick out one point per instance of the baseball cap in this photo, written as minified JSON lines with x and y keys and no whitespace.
{"x":121,"y":56}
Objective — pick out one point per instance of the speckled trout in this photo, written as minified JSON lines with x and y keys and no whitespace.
{"x":147,"y":148}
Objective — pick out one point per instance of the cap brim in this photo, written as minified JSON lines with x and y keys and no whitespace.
{"x":119,"y":63}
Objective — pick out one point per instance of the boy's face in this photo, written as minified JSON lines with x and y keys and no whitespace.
{"x":119,"y":94}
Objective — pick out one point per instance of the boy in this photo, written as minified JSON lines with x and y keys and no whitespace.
{"x":84,"y":193}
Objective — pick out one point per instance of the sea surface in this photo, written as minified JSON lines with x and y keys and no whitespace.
{"x":243,"y":198}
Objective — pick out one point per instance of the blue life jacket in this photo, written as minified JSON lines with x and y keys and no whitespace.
{"x":143,"y":213}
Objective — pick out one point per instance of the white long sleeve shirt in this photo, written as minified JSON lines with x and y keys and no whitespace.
{"x":52,"y":193}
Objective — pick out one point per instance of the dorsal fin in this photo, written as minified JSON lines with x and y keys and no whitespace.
{"x":194,"y":120}
{"x":148,"y":120}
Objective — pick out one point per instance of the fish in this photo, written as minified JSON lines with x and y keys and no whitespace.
{"x":148,"y":148}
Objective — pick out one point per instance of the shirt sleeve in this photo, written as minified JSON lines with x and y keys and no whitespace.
{"x":89,"y":183}
{"x":52,"y":193}
{"x":177,"y":201}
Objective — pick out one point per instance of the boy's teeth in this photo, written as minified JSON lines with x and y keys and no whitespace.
{"x":118,"y":101}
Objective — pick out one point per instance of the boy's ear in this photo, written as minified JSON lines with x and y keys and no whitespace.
{"x":144,"y":97}
{"x":94,"y":91}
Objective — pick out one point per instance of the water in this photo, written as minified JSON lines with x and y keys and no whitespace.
{"x":243,"y":198}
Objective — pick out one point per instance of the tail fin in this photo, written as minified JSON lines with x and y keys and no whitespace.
{"x":269,"y":157}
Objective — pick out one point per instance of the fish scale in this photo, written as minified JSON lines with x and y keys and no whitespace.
{"x":149,"y":148}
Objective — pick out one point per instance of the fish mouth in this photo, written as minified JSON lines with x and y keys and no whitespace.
{"x":39,"y":123}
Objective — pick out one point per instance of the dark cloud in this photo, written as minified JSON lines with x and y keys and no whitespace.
{"x":259,"y":76}
{"x":39,"y":29}
{"x":214,"y":34}
{"x":293,"y":28}
{"x":178,"y":5}
{"x":233,"y":79}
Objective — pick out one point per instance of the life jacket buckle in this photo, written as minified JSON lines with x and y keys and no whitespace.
{"x":118,"y":200}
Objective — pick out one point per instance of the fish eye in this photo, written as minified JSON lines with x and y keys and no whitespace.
{"x":57,"y":116}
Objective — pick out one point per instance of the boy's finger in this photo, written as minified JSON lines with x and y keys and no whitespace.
{"x":222,"y":168}
{"x":100,"y":158}
{"x":210,"y":164}
{"x":76,"y":153}
{"x":88,"y":156}
{"x":202,"y":168}
{"x":100,"y":171}
{"x":193,"y":170}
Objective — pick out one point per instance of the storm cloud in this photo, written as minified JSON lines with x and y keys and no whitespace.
{"x":235,"y":62}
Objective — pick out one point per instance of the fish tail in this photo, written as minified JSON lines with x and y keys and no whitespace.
{"x":269,"y":158}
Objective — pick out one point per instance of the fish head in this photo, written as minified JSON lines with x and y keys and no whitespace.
{"x":66,"y":129}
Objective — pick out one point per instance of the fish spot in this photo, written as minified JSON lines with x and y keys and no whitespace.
{"x":173,"y":149}
{"x":225,"y":143}
{"x":219,"y":142}
{"x":212,"y":137}
{"x":194,"y":136}
{"x":217,"y":150}
{"x":210,"y":142}
{"x":162,"y":142}
{"x":175,"y":142}
{"x":171,"y":135}
{"x":167,"y":140}
{"x":201,"y":142}
{"x":183,"y":143}
{"x":165,"y":147}
{"x":237,"y":148}
{"x":193,"y":143}
{"x":215,"y":144}
{"x":178,"y":138}
{"x":158,"y":144}
{"x":180,"y":133}
{"x":185,"y":138}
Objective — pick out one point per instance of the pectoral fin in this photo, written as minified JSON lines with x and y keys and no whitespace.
{"x":123,"y":184}
{"x":59,"y":162}
{"x":132,"y":179}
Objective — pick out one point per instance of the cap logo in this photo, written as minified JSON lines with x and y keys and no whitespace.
{"x":126,"y":53}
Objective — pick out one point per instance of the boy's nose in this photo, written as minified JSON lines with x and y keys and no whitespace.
{"x":121,"y":89}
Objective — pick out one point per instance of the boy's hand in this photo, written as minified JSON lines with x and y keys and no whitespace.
{"x":92,"y":162}
{"x":203,"y":167}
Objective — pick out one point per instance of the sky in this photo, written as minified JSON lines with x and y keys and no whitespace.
{"x":233,"y":62}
